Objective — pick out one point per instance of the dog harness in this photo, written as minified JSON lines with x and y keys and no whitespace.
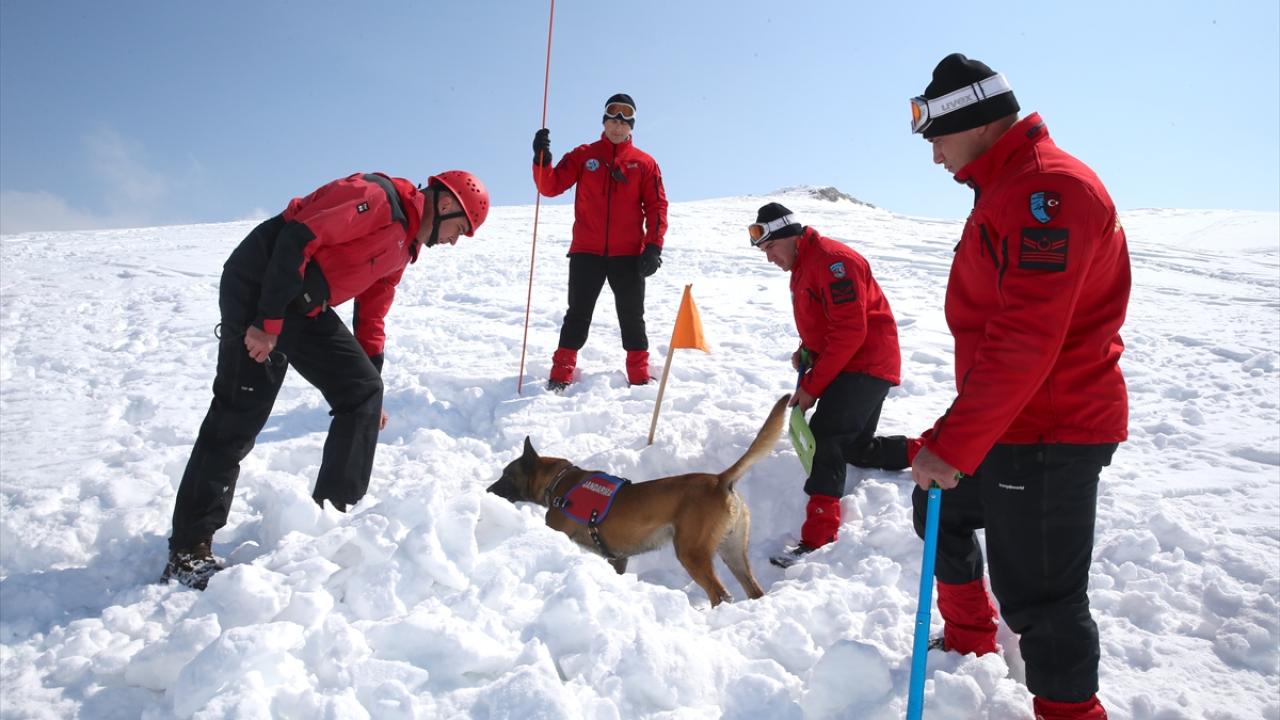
{"x":589,"y":502}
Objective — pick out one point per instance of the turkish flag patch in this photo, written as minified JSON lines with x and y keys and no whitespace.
{"x":842,"y":291}
{"x":1043,"y":249}
{"x":1045,"y":205}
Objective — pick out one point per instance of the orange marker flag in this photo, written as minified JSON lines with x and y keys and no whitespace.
{"x":687,"y":334}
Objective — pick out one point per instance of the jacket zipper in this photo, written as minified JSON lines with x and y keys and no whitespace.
{"x":608,"y":199}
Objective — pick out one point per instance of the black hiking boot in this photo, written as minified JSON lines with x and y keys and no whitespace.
{"x":791,"y":555}
{"x":556,"y":386}
{"x":192,"y":566}
{"x":881,"y":453}
{"x":337,"y":505}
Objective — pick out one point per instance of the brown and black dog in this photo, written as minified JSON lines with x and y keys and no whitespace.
{"x":699,"y":512}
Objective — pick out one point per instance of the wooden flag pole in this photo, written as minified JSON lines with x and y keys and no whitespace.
{"x":666,"y":368}
{"x":662,"y":387}
{"x":690,"y":338}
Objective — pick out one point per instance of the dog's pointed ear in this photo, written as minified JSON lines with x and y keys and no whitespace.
{"x":530,"y":457}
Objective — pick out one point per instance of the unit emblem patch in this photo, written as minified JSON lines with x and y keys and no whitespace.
{"x":1044,"y":205}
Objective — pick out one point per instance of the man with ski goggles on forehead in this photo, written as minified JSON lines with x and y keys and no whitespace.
{"x":619,"y":224}
{"x":848,"y":358}
{"x":1037,"y":294}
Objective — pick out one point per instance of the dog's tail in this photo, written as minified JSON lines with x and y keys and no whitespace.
{"x":760,"y":447}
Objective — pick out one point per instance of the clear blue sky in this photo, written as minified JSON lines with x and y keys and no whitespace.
{"x":145,"y":112}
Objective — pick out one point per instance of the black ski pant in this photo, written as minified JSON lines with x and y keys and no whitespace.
{"x":884,"y":452}
{"x":587,"y":275}
{"x":843,"y":423}
{"x":328,"y":356}
{"x":1037,"y":504}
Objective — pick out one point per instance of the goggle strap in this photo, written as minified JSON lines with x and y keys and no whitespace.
{"x":769,"y":228}
{"x":778,"y":224}
{"x":979,"y":91}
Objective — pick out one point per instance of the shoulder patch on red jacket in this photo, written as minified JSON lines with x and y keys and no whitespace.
{"x":1045,"y":205}
{"x":1043,"y":249}
{"x":843,"y":291}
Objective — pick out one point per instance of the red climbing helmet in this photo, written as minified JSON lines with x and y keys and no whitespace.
{"x":469,"y":191}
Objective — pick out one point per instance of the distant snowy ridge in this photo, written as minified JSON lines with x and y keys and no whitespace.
{"x":828,"y":193}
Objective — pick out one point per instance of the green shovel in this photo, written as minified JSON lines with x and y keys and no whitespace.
{"x":798,"y":428}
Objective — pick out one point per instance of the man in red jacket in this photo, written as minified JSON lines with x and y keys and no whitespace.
{"x":849,"y":338}
{"x":619,"y":220}
{"x":349,"y":240}
{"x":1038,"y":291}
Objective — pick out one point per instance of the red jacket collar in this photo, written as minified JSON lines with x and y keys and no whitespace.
{"x":808,"y":236}
{"x":604,"y":139}
{"x":1024,"y":134}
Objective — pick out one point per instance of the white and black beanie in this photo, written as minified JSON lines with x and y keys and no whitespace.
{"x":954,"y":72}
{"x":773,"y":211}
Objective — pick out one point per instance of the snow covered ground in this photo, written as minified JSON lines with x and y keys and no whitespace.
{"x":433,"y":599}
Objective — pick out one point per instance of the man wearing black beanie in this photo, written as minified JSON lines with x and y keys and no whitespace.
{"x":848,"y":358}
{"x":1037,"y":294}
{"x":619,"y":224}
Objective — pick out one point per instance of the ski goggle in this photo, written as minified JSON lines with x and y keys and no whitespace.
{"x":760,"y":232}
{"x":924,"y":111}
{"x":619,"y":111}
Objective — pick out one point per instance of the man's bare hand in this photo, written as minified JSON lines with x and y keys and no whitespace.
{"x":929,"y":468}
{"x":259,"y":343}
{"x":802,"y":399}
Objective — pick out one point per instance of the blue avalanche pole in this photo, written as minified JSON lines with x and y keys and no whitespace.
{"x":920,"y":648}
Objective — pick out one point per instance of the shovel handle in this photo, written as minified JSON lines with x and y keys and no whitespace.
{"x":924,"y":606}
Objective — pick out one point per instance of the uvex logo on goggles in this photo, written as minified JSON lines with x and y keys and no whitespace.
{"x":925,"y":111}
{"x":760,"y":232}
{"x":619,"y":111}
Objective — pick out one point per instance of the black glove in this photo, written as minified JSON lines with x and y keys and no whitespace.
{"x":542,"y":147}
{"x":650,"y":260}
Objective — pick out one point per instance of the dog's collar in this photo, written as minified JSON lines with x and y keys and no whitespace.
{"x":555,"y":482}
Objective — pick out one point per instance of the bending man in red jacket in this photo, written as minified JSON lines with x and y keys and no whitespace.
{"x":350,"y":239}
{"x":1037,"y":294}
{"x":619,"y":220}
{"x":848,"y":333}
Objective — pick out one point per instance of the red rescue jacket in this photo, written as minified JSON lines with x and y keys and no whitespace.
{"x":359,"y":233}
{"x":620,"y":205}
{"x":841,"y":314}
{"x":1038,"y":291}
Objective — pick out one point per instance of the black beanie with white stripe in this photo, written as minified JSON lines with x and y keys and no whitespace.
{"x":954,"y":72}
